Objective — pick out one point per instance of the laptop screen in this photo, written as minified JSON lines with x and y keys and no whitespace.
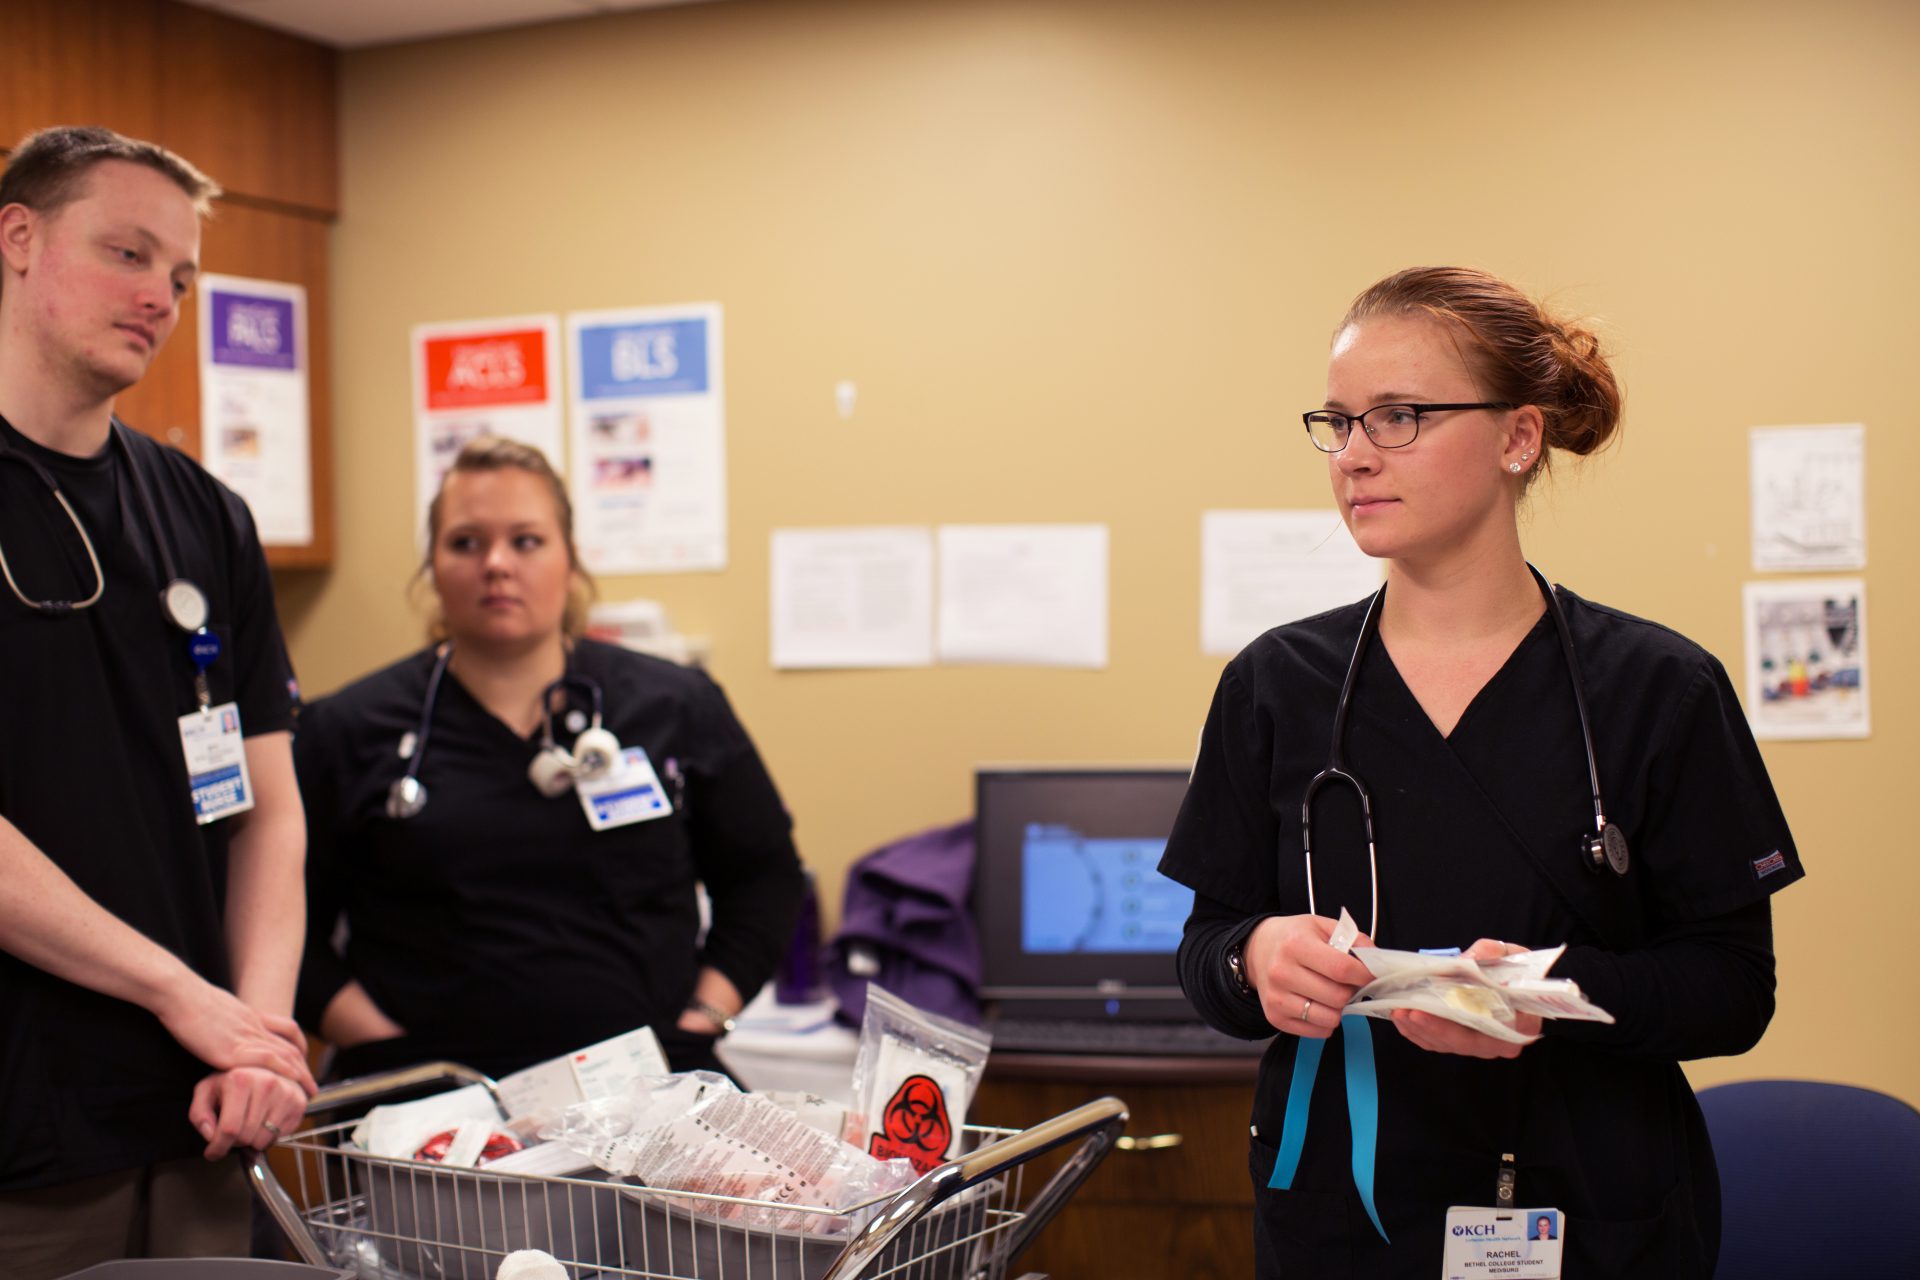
{"x":1074,"y":917}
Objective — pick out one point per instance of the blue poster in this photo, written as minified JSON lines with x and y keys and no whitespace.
{"x":622,"y":361}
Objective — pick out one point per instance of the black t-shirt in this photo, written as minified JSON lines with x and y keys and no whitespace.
{"x":496,"y":925}
{"x":1477,"y":836}
{"x":91,"y":770}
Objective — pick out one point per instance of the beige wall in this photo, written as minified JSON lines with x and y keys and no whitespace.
{"x":1082,"y":259}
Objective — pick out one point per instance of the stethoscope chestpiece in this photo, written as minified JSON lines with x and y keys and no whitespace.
{"x":406,"y":797}
{"x":1606,"y":851}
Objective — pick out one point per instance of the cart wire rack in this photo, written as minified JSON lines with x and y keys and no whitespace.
{"x":390,"y":1219}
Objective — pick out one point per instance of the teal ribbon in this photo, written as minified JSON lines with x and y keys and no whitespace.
{"x":1363,"y":1110}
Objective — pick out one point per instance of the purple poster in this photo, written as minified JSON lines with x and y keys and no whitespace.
{"x":253,"y":331}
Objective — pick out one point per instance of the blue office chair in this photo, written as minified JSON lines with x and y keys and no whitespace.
{"x":1816,"y":1180}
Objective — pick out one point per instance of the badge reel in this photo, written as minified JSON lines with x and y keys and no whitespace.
{"x":186,"y":608}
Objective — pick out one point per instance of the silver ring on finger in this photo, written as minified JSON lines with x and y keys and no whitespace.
{"x":1306,"y":1012}
{"x":271,"y":1128}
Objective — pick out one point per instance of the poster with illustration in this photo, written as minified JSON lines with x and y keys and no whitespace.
{"x":1809,"y":497}
{"x":1807,"y":658}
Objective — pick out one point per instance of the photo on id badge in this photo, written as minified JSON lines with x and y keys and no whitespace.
{"x":1483,"y":1243}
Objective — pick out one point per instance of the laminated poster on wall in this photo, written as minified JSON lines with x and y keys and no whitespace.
{"x":494,"y":377}
{"x":1262,"y":569}
{"x":253,"y":400}
{"x":649,"y":461}
{"x":1807,"y":658}
{"x":1809,"y":497}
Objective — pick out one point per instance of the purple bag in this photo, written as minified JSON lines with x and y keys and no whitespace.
{"x":905,"y":924}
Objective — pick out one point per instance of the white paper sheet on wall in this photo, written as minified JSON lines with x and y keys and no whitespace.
{"x":1024,"y":594}
{"x":1809,"y":497}
{"x":860,"y":597}
{"x":1260,"y":569}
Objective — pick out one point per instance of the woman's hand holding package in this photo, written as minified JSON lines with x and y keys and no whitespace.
{"x":1438,"y":1035}
{"x":1302,"y":982}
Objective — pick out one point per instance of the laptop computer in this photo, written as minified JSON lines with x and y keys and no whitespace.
{"x":1078,"y":928}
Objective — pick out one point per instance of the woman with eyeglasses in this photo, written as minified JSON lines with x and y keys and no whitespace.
{"x":1474,"y":759}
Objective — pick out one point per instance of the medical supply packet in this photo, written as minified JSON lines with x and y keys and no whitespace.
{"x":913,"y":1079}
{"x":1483,"y":995}
{"x":529,"y":1098}
{"x":696,"y":1132}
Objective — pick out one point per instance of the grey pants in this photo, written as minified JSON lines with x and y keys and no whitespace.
{"x":182,"y":1209}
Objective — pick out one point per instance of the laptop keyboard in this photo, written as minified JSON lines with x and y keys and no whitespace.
{"x":1114,"y":1036}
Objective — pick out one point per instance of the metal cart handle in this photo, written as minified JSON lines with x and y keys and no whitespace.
{"x":1096,"y":1124}
{"x":347,"y":1093}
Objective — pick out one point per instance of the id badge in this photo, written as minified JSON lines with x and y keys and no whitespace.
{"x":1483,"y":1243}
{"x":216,"y":763}
{"x":632,"y":793}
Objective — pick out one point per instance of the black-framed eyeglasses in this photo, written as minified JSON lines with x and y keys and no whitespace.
{"x":1389,"y":426}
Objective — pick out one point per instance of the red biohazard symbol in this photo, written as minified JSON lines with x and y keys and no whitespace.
{"x":915,"y":1125}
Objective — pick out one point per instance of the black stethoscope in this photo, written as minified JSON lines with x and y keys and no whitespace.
{"x":554,"y":770}
{"x":181,"y":600}
{"x":1598,"y":852}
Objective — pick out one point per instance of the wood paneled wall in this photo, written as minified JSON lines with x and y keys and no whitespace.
{"x":257,"y":110}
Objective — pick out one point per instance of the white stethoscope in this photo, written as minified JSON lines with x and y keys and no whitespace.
{"x":1602,"y":851}
{"x":554,"y":771}
{"x":183,"y":602}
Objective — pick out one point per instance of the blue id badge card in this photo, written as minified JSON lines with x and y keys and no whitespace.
{"x":632,"y":793}
{"x":1487,"y":1243}
{"x":216,"y":762}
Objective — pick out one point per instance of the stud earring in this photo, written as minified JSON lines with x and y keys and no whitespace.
{"x":1513,"y":466}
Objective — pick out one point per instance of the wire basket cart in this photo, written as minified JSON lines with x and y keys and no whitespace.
{"x":391,"y":1219}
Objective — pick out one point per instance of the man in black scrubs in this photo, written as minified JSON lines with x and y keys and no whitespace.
{"x":151,"y":838}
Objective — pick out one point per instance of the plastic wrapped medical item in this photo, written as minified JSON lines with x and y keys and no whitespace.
{"x":913,"y":1078}
{"x":824,"y":1114}
{"x":696,"y":1132}
{"x":1486,"y":995}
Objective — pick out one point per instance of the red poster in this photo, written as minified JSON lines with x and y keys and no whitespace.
{"x":487,"y":370}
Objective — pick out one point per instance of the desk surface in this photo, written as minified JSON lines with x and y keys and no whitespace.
{"x":1122,"y":1070}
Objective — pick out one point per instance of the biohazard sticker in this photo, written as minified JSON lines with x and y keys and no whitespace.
{"x":915,"y":1126}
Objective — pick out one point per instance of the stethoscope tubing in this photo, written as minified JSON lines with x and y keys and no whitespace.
{"x":408,"y":795}
{"x":1337,"y":770}
{"x":148,"y":507}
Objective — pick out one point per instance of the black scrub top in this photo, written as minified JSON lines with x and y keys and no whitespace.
{"x":92,"y":771}
{"x":1478,"y":835}
{"x":496,"y":925}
